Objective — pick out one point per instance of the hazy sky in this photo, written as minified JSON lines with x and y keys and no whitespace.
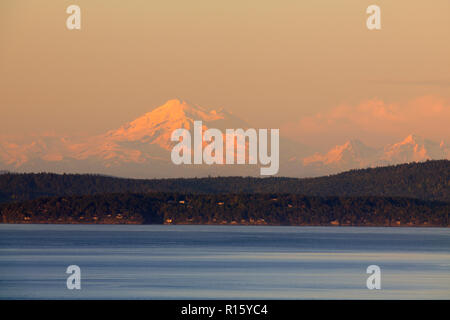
{"x":307,"y":67}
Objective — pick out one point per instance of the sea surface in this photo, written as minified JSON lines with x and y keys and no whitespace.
{"x":223,"y":262}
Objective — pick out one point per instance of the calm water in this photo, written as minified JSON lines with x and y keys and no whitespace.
{"x":236,"y":262}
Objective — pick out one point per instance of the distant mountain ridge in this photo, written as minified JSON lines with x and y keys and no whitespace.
{"x":355,"y":154}
{"x":414,"y":148}
{"x":141,"y":149}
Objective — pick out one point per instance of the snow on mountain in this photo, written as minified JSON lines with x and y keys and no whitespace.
{"x":354,"y":154}
{"x":413,"y":148}
{"x":141,"y":148}
{"x":17,"y":153}
{"x":156,"y":127}
{"x":147,"y":138}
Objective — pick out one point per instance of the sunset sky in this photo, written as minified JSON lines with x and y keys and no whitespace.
{"x":311,"y":68}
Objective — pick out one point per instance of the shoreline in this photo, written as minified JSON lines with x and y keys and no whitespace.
{"x":235,"y":224}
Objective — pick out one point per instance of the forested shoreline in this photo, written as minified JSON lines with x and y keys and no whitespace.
{"x":415,"y":194}
{"x":246,"y":209}
{"x":426,"y":180}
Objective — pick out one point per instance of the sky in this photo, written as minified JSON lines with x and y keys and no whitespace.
{"x":310,"y":68}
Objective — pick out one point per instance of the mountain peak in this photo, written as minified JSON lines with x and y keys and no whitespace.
{"x":414,"y":148}
{"x":174,"y":114}
{"x":413,"y":139}
{"x":155,"y":128}
{"x":176,"y":109}
{"x":176,"y":105}
{"x":353,"y":144}
{"x":352,"y":153}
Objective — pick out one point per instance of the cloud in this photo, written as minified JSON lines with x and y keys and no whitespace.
{"x":374,"y":122}
{"x":426,"y":83}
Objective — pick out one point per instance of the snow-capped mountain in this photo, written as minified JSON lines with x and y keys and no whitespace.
{"x":155,"y":127}
{"x":413,"y":148}
{"x":15,"y":154}
{"x":147,"y":138}
{"x":355,"y":154}
{"x":141,"y":149}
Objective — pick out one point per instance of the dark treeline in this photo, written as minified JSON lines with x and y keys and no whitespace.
{"x":427,"y":181}
{"x":271,"y":209}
